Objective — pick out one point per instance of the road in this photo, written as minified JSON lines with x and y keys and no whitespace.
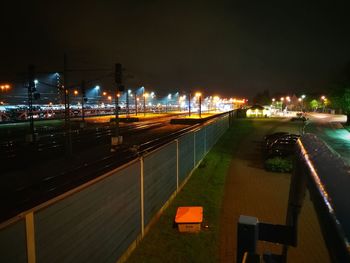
{"x":329,"y":128}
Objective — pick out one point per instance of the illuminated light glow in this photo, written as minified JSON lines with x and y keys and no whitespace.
{"x":129,"y":91}
{"x":97,"y":87}
{"x":137,"y":99}
{"x":75,"y":92}
{"x":238,"y":101}
{"x":104,"y":93}
{"x":169,"y":96}
{"x":198,"y":94}
{"x":36,"y":81}
{"x":146,"y":95}
{"x":300,"y":99}
{"x":273,"y":99}
{"x":282,"y":99}
{"x":110,"y":97}
{"x":303,"y":96}
{"x":323,"y":97}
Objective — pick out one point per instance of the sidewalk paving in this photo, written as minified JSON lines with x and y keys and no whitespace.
{"x":250,"y":190}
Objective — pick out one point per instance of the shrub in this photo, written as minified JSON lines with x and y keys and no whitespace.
{"x":278,"y":164}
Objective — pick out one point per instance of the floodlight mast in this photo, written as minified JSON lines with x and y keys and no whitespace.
{"x":116,"y":139}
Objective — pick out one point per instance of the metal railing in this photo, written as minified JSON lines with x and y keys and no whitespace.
{"x":323,"y":172}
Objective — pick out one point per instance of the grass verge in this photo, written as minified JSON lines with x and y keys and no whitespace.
{"x":164,"y":243}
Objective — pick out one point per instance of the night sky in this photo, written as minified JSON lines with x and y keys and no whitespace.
{"x":233,"y":48}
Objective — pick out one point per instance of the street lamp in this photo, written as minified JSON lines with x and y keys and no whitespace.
{"x":199,"y":96}
{"x":324,"y":101}
{"x":167,"y":102}
{"x":136,"y":102}
{"x":98,"y":89}
{"x":145,"y":95}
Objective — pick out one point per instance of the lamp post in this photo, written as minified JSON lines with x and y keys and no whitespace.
{"x":199,"y":96}
{"x":136,"y":102}
{"x":145,"y":95}
{"x":167,"y":102}
{"x":98,"y":95}
{"x":324,"y":101}
{"x":189,"y":104}
{"x":127,"y":103}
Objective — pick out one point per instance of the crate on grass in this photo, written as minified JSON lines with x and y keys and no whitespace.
{"x":189,"y":218}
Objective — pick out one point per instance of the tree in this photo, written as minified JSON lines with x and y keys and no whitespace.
{"x":340,"y":97}
{"x":314,"y":105}
{"x":262,"y":98}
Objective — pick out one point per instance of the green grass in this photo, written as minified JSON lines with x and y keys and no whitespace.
{"x":163,"y":243}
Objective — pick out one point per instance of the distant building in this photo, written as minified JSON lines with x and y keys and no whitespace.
{"x":258,"y":111}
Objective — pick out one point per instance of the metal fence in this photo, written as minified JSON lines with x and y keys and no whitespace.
{"x":102,"y":220}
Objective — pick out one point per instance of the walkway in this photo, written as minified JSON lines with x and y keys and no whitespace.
{"x":250,"y":190}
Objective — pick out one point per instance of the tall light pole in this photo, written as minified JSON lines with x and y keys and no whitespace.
{"x":116,"y":139}
{"x":136,"y":102}
{"x":127,"y":104}
{"x":199,"y":96}
{"x":167,"y":102}
{"x":189,"y":104}
{"x":31,"y":90}
{"x":324,"y":100}
{"x":145,"y":95}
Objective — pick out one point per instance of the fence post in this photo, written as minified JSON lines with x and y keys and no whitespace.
{"x":247,"y":236}
{"x":30,"y":235}
{"x":205,"y":140}
{"x":177,"y":164}
{"x":142,"y":197}
{"x":194,"y":149}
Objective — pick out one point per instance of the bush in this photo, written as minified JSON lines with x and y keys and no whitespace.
{"x":278,"y":164}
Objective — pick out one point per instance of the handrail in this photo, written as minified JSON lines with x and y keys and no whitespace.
{"x":328,"y":181}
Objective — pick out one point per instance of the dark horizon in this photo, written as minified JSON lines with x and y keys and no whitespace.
{"x":233,"y":49}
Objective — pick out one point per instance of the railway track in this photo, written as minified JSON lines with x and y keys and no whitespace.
{"x":20,"y":196}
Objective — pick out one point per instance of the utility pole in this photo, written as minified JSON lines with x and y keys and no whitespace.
{"x":31,"y":90}
{"x":200,"y":106}
{"x":67,"y":125}
{"x":116,"y":139}
{"x":135,"y":103}
{"x":127,"y":104}
{"x":189,"y":104}
{"x":83,"y":100}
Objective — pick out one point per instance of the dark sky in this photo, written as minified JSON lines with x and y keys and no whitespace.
{"x":233,"y":48}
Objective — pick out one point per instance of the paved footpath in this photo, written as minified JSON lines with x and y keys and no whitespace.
{"x":250,"y":190}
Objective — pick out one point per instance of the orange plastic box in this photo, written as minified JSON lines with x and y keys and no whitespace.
{"x":189,"y":218}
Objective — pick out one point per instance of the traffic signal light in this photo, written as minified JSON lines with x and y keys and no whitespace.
{"x":118,"y":74}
